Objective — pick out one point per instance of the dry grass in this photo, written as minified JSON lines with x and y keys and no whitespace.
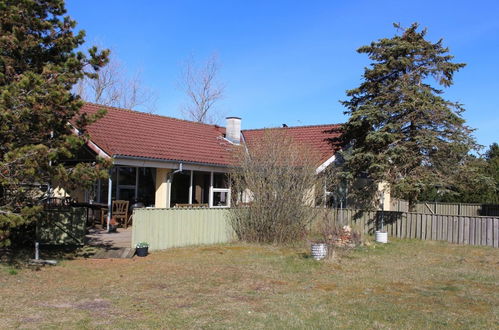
{"x":406,"y":284}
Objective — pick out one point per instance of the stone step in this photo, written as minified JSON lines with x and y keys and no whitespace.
{"x":114,"y":253}
{"x":128,"y":253}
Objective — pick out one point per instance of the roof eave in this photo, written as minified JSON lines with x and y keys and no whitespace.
{"x":169,"y":161}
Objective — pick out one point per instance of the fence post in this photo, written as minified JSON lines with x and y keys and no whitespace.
{"x":496,"y":232}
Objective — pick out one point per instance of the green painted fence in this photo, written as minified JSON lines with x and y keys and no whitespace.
{"x":176,"y":227}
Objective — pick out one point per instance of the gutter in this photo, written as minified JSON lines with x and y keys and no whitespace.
{"x":170,"y":161}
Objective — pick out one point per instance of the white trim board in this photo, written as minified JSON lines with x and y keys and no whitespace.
{"x":324,"y":165}
{"x":95,"y":148}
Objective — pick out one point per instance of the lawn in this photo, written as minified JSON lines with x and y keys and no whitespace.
{"x":405,"y":284}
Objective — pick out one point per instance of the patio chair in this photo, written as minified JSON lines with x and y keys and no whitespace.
{"x":120,"y":213}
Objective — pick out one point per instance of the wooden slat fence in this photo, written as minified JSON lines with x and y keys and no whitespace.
{"x":467,"y":230}
{"x":465,"y":209}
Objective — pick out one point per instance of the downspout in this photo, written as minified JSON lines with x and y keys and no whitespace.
{"x":169,"y":179}
{"x":179,"y":170}
{"x":109,"y":201}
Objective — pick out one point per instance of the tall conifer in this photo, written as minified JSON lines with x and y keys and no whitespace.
{"x":39,"y":65}
{"x":401,"y":130}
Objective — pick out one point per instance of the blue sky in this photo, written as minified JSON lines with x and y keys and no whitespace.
{"x":291,"y":61}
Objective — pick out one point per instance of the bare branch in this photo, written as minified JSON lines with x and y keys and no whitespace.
{"x":113,"y":87}
{"x":203,"y":90}
{"x":274,"y":186}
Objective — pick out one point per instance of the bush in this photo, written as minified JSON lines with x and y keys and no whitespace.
{"x":275,"y":190}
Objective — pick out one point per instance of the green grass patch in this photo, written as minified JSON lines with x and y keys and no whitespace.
{"x":403,"y":284}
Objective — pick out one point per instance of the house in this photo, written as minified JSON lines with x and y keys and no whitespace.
{"x":164,"y":161}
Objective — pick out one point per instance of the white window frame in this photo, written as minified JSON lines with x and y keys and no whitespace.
{"x":221,"y":190}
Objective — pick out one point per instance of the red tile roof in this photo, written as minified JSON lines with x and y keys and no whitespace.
{"x":123,"y":132}
{"x":316,"y":137}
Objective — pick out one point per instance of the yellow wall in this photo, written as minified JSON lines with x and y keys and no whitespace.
{"x":77,"y":195}
{"x":60,"y":192}
{"x":384,"y":188}
{"x":163,"y":188}
{"x":310,"y":196}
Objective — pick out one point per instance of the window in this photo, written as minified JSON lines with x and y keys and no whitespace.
{"x":221,"y":190}
{"x":180,"y":188}
{"x":129,"y":183}
{"x":221,"y":197}
{"x":126,"y":183}
{"x":147,"y":186}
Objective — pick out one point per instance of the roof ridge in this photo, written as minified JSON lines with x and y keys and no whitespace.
{"x":151,"y":114}
{"x":291,"y":127}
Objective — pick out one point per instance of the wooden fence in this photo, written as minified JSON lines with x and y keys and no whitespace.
{"x":455,"y":229}
{"x":176,"y":227}
{"x":466,"y":209}
{"x":62,"y":226}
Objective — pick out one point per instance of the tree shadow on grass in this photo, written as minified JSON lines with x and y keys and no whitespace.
{"x":19,"y":256}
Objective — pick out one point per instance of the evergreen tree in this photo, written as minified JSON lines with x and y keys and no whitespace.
{"x":39,"y":65}
{"x":477,"y":182}
{"x":401,"y":130}
{"x":490,"y":169}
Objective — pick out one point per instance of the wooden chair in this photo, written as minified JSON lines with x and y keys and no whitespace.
{"x":120,"y":213}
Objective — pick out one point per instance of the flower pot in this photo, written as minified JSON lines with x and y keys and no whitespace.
{"x":319,"y":251}
{"x":381,"y":237}
{"x":141,"y":252}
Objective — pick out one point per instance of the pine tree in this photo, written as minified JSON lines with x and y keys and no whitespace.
{"x":401,"y":130}
{"x":39,"y":65}
{"x":489,"y":194}
{"x":477,"y":181}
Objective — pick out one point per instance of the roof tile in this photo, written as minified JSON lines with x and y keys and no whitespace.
{"x":316,"y":137}
{"x":123,"y":132}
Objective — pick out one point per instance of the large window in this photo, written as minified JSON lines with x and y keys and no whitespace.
{"x":147,"y":185}
{"x":200,"y":187}
{"x":126,"y":183}
{"x":187,"y":187}
{"x":180,"y":188}
{"x":221,"y":190}
{"x":206,"y":188}
{"x":129,"y":183}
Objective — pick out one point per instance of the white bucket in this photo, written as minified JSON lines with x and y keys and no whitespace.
{"x":319,"y":251}
{"x":381,"y":237}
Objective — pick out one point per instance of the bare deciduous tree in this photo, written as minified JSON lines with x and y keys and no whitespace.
{"x":203,"y":90}
{"x":274,"y":184}
{"x":114,"y":87}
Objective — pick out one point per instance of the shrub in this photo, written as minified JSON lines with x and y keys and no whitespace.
{"x":274,"y":185}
